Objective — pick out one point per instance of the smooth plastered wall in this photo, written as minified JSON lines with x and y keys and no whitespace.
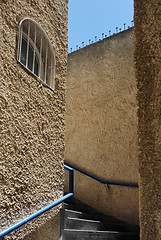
{"x":32,"y":118}
{"x":101,"y":124}
{"x":148,"y":74}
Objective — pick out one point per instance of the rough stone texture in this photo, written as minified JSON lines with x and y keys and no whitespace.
{"x":31,"y":117}
{"x":101,"y":124}
{"x":148,"y":74}
{"x":50,"y":230}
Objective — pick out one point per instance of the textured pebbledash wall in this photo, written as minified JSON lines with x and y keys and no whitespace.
{"x":101,"y":124}
{"x":32,"y":119}
{"x":148,"y":74}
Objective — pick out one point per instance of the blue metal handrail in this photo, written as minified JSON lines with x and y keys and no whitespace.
{"x":69,"y":167}
{"x":44,"y":209}
{"x":125,"y":184}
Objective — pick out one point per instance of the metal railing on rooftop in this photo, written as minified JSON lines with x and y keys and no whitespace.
{"x":103,"y":36}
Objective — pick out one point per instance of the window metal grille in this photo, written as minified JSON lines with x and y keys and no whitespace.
{"x":35,"y":52}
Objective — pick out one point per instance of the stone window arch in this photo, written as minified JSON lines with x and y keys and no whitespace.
{"x":35,"y":52}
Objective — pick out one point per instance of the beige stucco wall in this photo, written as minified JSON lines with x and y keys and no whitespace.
{"x":101,"y":124}
{"x":31,"y":118}
{"x":148,"y":74}
{"x":49,"y":231}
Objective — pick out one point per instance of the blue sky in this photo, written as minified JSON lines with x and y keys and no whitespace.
{"x":90,"y":18}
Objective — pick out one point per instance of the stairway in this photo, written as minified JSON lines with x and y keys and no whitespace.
{"x":78,"y":221}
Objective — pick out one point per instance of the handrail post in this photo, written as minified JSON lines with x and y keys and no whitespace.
{"x":71,"y":181}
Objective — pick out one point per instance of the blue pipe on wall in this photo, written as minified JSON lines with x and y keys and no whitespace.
{"x":125,"y":184}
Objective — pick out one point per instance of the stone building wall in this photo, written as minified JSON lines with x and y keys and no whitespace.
{"x":32,"y":119}
{"x":148,"y":74}
{"x":101,"y":124}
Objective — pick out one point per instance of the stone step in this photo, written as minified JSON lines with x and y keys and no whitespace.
{"x":77,"y":205}
{"x":85,"y":215}
{"x":80,"y":221}
{"x":73,"y":234}
{"x":90,"y":213}
{"x":87,"y":224}
{"x":81,"y":224}
{"x":72,"y":213}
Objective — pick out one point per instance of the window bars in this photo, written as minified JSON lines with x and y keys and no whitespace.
{"x":35,"y":52}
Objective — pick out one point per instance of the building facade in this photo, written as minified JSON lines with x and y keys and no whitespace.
{"x":101,"y":124}
{"x":148,"y":75}
{"x":32,"y":112}
{"x":103,"y":130}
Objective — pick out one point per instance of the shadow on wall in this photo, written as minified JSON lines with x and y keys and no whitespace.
{"x":101,"y":123}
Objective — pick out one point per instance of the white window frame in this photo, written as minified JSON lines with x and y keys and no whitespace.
{"x":43,"y":67}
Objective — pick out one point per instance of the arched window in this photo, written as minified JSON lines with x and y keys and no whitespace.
{"x":35,"y":52}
